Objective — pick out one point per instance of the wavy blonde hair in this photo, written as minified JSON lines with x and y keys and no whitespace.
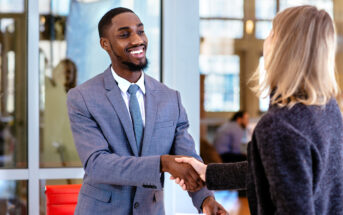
{"x":300,"y":66}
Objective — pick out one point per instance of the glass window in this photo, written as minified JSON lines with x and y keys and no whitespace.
{"x":57,"y":75}
{"x":221,"y":28}
{"x":12,"y":6}
{"x":265,"y":9}
{"x":13,"y":197}
{"x":263,"y":28}
{"x":60,"y":7}
{"x":221,"y":82}
{"x":13,"y":90}
{"x":55,"y":7}
{"x":327,"y":5}
{"x":264,"y":98}
{"x":221,"y":22}
{"x":70,"y":54}
{"x":222,"y":8}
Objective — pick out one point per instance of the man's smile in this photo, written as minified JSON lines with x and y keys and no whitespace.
{"x":137,"y":52}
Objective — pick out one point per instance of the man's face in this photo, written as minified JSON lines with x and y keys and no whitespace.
{"x":127,"y":42}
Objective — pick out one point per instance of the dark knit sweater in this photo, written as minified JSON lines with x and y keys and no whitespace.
{"x":295,"y":163}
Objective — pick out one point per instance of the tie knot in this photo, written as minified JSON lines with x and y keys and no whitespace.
{"x":133,"y":89}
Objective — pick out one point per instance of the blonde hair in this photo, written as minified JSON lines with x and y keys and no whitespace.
{"x":300,"y":66}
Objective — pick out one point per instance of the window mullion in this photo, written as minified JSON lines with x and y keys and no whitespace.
{"x":33,"y":105}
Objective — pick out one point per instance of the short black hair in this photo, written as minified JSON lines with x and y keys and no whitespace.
{"x":238,"y":114}
{"x":105,"y":21}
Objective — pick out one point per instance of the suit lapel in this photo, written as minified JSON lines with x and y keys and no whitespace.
{"x":116,"y":99}
{"x":150,"y":115}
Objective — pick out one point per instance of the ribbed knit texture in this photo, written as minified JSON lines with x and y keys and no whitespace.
{"x":218,"y":176}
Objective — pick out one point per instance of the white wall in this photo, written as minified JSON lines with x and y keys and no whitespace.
{"x":180,"y":72}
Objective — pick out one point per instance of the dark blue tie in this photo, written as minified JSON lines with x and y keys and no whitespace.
{"x":136,"y":115}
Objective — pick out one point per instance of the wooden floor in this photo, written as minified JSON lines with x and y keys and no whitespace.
{"x":244,"y":208}
{"x":241,"y":208}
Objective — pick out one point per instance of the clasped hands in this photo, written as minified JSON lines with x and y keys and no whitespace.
{"x":182,"y":170}
{"x":190,"y":173}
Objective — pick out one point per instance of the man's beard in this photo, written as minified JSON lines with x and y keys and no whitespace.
{"x":131,"y":66}
{"x":136,"y":67}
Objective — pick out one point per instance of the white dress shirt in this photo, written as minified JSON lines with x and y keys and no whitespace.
{"x":124,"y":85}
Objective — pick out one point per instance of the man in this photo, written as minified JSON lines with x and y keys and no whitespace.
{"x":231,"y":138}
{"x":127,"y":127}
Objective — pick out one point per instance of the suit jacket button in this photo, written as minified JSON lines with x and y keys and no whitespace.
{"x":136,"y":205}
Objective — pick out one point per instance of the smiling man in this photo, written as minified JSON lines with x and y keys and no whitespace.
{"x":128,"y":128}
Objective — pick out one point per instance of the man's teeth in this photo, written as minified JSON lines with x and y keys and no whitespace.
{"x":136,"y":52}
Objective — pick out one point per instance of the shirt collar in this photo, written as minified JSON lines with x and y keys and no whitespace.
{"x":124,"y":84}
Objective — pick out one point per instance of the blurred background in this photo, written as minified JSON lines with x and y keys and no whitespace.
{"x":207,"y":48}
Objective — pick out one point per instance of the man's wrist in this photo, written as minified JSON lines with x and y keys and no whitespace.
{"x":164,"y":163}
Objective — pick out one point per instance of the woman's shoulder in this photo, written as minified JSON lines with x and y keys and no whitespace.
{"x":300,"y":120}
{"x":277,"y":131}
{"x":276,"y":117}
{"x":281,"y":120}
{"x":297,"y":114}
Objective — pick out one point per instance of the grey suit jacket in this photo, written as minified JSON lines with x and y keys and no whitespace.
{"x":117,"y":179}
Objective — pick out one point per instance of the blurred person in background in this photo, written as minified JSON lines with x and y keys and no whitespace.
{"x":64,"y":74}
{"x":58,"y":149}
{"x":231,"y":138}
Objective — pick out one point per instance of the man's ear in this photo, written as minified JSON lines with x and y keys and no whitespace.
{"x":105,"y":43}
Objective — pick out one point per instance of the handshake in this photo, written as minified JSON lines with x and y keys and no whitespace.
{"x":190,"y":173}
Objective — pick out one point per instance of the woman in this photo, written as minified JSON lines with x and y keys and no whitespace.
{"x":295,"y":158}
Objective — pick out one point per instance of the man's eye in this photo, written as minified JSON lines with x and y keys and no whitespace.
{"x":141,"y":32}
{"x":126,"y":34}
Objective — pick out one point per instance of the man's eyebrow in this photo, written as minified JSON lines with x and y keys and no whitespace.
{"x":127,"y":28}
{"x":123,"y":28}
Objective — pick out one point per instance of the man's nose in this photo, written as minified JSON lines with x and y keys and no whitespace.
{"x":136,"y":39}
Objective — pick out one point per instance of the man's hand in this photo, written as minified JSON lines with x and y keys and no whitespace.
{"x":212,"y":207}
{"x":183,"y":171}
